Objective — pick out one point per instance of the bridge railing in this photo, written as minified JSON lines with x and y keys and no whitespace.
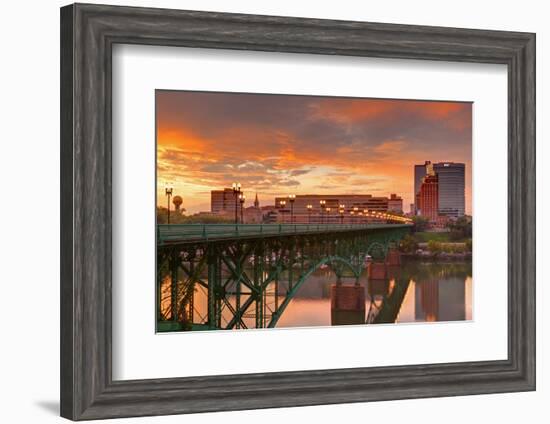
{"x":173,"y":233}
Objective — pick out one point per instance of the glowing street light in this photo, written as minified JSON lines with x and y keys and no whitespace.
{"x":242,"y":199}
{"x":282,"y":203}
{"x":168,"y":190}
{"x":291,"y":199}
{"x":309,"y":207}
{"x":236,"y":191}
{"x":323,"y":204}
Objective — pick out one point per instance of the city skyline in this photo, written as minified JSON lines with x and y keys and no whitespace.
{"x":276,"y":145}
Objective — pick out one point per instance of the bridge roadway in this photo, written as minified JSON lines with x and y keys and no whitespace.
{"x":173,"y":234}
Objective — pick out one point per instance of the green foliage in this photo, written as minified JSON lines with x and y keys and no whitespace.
{"x":435,"y":247}
{"x":408,"y":244}
{"x":461,"y":228}
{"x":179,"y":218}
{"x":420,"y":223}
{"x":453,"y":247}
{"x":424,"y":237}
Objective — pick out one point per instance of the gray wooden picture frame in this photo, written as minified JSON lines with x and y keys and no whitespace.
{"x":88,"y":33}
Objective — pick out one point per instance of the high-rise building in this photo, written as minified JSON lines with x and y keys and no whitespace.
{"x":420,"y":171}
{"x":428,"y":198}
{"x":451,"y":188}
{"x":451,"y":185}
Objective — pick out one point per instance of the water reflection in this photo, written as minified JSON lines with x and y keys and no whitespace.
{"x":411,"y":292}
{"x":433,"y":292}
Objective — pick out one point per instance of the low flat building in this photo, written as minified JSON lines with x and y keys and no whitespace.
{"x":354,"y":205}
{"x":224,"y":201}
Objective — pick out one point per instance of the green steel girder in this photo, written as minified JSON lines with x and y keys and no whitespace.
{"x":328,"y":260}
{"x":293,"y":256}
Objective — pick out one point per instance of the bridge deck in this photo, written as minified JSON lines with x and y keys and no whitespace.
{"x":187,"y":233}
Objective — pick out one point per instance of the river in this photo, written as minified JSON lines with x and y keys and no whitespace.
{"x":430,"y":291}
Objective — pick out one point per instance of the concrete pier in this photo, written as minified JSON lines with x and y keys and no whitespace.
{"x":393,"y":257}
{"x":347,"y":304}
{"x":377,"y":271}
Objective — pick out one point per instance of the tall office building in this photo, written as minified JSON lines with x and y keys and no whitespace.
{"x":420,"y":171}
{"x":451,"y":188}
{"x":451,"y":185}
{"x":428,"y":199}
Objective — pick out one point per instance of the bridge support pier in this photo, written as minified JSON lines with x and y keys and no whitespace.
{"x":347,"y":304}
{"x":393,"y":257}
{"x":377,"y":271}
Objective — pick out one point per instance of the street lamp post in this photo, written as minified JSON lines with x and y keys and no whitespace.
{"x":242,"y":198}
{"x":291,"y":199}
{"x":322,"y":203}
{"x":355,"y":210}
{"x":309,"y":207}
{"x":283,"y":203}
{"x":168,"y":190}
{"x":341,"y":210}
{"x":328,"y":215}
{"x":236,"y":191}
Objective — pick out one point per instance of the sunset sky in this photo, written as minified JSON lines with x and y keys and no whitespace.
{"x":277,"y":144}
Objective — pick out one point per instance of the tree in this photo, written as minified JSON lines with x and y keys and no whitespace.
{"x":408,"y":244}
{"x":435,"y":247}
{"x":420,"y":223}
{"x":461,"y":228}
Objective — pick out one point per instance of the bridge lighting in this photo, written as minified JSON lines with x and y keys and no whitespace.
{"x":242,"y":199}
{"x":323,"y":204}
{"x":341,"y":212}
{"x":309,"y":207}
{"x":236,"y":191}
{"x":291,"y":199}
{"x":328,"y":215}
{"x":282,"y":203}
{"x":168,"y":190}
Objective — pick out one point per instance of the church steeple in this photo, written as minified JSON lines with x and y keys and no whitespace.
{"x":256,"y":202}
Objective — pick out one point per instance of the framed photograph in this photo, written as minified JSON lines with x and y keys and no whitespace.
{"x":266,"y":211}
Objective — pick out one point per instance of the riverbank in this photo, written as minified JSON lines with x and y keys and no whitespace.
{"x":441,"y":237}
{"x":435,"y":257}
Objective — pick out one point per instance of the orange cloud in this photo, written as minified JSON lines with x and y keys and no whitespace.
{"x":276,"y":144}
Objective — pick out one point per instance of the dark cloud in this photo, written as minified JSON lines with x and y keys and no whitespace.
{"x":277,"y":141}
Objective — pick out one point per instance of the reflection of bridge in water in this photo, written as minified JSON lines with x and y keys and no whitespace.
{"x":252,"y":272}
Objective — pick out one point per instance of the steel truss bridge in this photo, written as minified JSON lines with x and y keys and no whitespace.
{"x":250,"y":273}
